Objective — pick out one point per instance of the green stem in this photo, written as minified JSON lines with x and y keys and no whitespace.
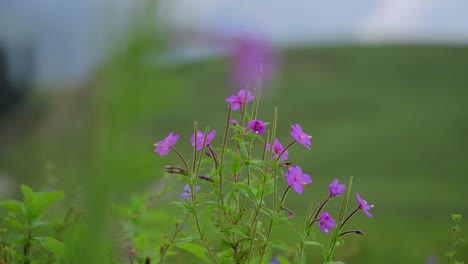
{"x":321,"y":208}
{"x":285,"y":149}
{"x":349,"y":216}
{"x":27,"y":247}
{"x":182,"y":158}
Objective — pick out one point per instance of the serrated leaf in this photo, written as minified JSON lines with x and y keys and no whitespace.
{"x":195,"y":249}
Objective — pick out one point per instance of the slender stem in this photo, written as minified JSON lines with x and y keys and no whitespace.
{"x":223,"y":150}
{"x":271,"y":222}
{"x":285,"y":149}
{"x":166,"y":247}
{"x":182,"y":158}
{"x":358,"y":232}
{"x":27,"y":247}
{"x":340,"y":222}
{"x":265,"y":145}
{"x":321,"y":208}
{"x":244,"y":107}
{"x":248,"y":158}
{"x":226,"y":131}
{"x":274,"y":163}
{"x":194,"y":156}
{"x":203,"y":239}
{"x":258,"y":86}
{"x":284,"y":195}
{"x":349,"y":216}
{"x":214,"y":156}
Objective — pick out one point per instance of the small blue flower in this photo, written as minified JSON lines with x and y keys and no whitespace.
{"x":187,"y":194}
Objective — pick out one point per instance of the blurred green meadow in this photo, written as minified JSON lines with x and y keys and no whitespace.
{"x":394,"y":117}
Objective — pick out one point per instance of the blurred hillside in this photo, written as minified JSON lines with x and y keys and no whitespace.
{"x":394,"y":117}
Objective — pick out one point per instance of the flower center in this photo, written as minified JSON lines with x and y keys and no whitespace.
{"x":297,"y":178}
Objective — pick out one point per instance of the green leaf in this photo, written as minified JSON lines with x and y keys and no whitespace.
{"x":57,"y":247}
{"x":28,"y":196}
{"x":244,"y":152}
{"x":236,"y":165}
{"x":240,"y":230}
{"x":456,"y":218}
{"x":246,"y":191}
{"x":314,"y":243}
{"x":14,"y":206}
{"x":279,"y":244}
{"x":141,"y":242}
{"x":37,"y":203}
{"x":196,"y":250}
{"x":185,"y":240}
{"x":46,"y":199}
{"x":267,"y":211}
{"x":258,"y":164}
{"x":283,"y":260}
{"x":187,"y":207}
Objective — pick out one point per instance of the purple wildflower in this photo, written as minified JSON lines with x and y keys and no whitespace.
{"x":163,"y":147}
{"x":277,"y":149}
{"x":237,"y":101}
{"x":257,"y":127}
{"x":275,"y":260}
{"x":201,"y":138}
{"x":297,"y":179}
{"x":336,"y":189}
{"x":326,"y":222}
{"x":251,"y":57}
{"x":300,"y":136}
{"x":363,"y":205}
{"x":233,"y":122}
{"x":187,"y":194}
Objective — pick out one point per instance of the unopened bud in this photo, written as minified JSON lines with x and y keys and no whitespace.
{"x":206,"y":178}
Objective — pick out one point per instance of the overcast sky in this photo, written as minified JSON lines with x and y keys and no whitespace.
{"x":77,"y":33}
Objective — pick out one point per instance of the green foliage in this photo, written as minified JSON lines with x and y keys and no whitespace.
{"x":235,"y":220}
{"x":456,"y":241}
{"x":25,"y":219}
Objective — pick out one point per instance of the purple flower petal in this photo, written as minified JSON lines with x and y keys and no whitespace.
{"x":326,"y":223}
{"x":297,"y":179}
{"x":336,"y":189}
{"x":257,"y":127}
{"x":300,"y":136}
{"x":201,"y":137}
{"x":364,"y":205}
{"x":237,"y":101}
{"x":163,"y":147}
{"x":278,"y":149}
{"x":187,"y":194}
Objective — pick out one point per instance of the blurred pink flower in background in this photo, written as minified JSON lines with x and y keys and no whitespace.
{"x":250,"y":58}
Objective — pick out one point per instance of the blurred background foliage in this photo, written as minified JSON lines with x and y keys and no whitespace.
{"x":392,"y":116}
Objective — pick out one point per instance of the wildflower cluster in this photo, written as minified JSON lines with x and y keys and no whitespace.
{"x":250,"y":188}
